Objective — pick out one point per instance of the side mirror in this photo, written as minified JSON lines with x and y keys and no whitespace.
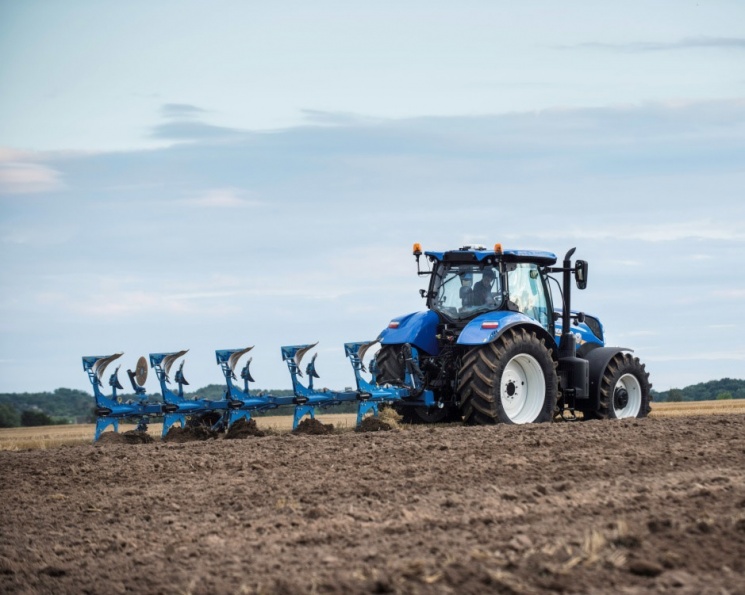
{"x":580,"y":273}
{"x":423,"y":293}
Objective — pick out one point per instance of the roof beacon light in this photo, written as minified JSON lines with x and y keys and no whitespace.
{"x":417,"y":249}
{"x":497,"y":248}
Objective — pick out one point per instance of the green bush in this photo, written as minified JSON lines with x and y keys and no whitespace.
{"x":9,"y":416}
{"x":32,"y":417}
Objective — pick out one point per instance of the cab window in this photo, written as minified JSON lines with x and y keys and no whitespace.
{"x":527,"y":292}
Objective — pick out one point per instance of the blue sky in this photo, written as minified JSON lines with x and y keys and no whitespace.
{"x":214,"y":175}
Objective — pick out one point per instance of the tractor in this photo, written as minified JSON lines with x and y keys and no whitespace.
{"x":493,"y":346}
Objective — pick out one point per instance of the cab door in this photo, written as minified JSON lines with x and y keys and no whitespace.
{"x":527,"y":290}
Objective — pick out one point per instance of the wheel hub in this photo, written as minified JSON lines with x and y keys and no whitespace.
{"x":621,"y":398}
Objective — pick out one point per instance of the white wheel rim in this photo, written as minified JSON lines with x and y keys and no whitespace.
{"x":628,"y":384}
{"x":523,"y":389}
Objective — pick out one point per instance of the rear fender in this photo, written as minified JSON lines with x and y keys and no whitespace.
{"x":418,"y":329}
{"x":475,"y":334}
{"x":599,"y":359}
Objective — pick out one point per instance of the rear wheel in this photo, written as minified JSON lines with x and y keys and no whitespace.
{"x":624,"y":389}
{"x":512,"y":380}
{"x":390,"y":365}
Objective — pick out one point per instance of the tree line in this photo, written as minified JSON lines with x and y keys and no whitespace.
{"x":726,"y":388}
{"x":66,"y":405}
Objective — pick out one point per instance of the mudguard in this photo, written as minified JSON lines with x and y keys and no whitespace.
{"x":418,"y":329}
{"x":599,"y":359}
{"x":476,"y":334}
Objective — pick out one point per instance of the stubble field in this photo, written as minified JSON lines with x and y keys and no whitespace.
{"x":633,"y":506}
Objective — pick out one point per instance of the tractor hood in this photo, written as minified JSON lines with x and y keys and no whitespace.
{"x":418,"y":329}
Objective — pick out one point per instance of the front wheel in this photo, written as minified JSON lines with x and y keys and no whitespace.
{"x":624,"y":390}
{"x":512,"y":380}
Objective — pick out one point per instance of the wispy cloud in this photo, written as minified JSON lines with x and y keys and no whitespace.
{"x":735,"y":354}
{"x":337,"y":118}
{"x":221,"y":198}
{"x":188,"y":130}
{"x":736,"y":43}
{"x":733,"y":231}
{"x":181,"y":111}
{"x":28,"y":178}
{"x":733,"y":294}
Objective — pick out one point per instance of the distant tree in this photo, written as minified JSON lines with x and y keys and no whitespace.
{"x":675,"y":395}
{"x":9,"y":416}
{"x":724,"y":395}
{"x":32,"y":417}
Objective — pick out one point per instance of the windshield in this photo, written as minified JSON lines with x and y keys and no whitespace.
{"x":464,"y":290}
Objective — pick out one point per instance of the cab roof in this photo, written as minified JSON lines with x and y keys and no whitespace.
{"x":469,"y":255}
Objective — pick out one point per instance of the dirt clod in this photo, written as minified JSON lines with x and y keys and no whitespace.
{"x":131,"y":437}
{"x":189,"y":434}
{"x":312,"y":426}
{"x":244,"y":429}
{"x":645,"y":568}
{"x":373,"y":424}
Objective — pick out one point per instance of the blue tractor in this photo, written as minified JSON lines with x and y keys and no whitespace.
{"x":493,"y":347}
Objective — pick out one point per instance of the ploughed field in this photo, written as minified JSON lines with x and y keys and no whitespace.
{"x":633,"y":506}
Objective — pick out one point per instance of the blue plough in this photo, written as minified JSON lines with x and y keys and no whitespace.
{"x":239,"y":403}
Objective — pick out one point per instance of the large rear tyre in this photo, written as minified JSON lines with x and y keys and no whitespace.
{"x":624,"y":390}
{"x":390,"y":365}
{"x":512,"y":381}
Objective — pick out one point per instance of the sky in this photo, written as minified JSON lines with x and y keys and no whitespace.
{"x":214,"y":175}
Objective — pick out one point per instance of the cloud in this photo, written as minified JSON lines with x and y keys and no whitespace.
{"x":223,"y":198}
{"x":734,"y":294}
{"x":179,"y":111}
{"x":736,"y":43}
{"x":733,"y":231}
{"x":338,"y":118}
{"x":18,"y":177}
{"x":735,"y":354}
{"x":188,"y":130}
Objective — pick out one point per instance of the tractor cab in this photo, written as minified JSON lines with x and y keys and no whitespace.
{"x":472,"y":280}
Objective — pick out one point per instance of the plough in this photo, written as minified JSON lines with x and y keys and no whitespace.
{"x":239,"y":403}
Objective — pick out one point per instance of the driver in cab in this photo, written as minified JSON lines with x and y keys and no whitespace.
{"x":482,"y":289}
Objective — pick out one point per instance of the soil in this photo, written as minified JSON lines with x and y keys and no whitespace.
{"x":633,"y":506}
{"x":189,"y":434}
{"x":244,"y":429}
{"x":131,"y":437}
{"x":373,"y":424}
{"x":312,"y":426}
